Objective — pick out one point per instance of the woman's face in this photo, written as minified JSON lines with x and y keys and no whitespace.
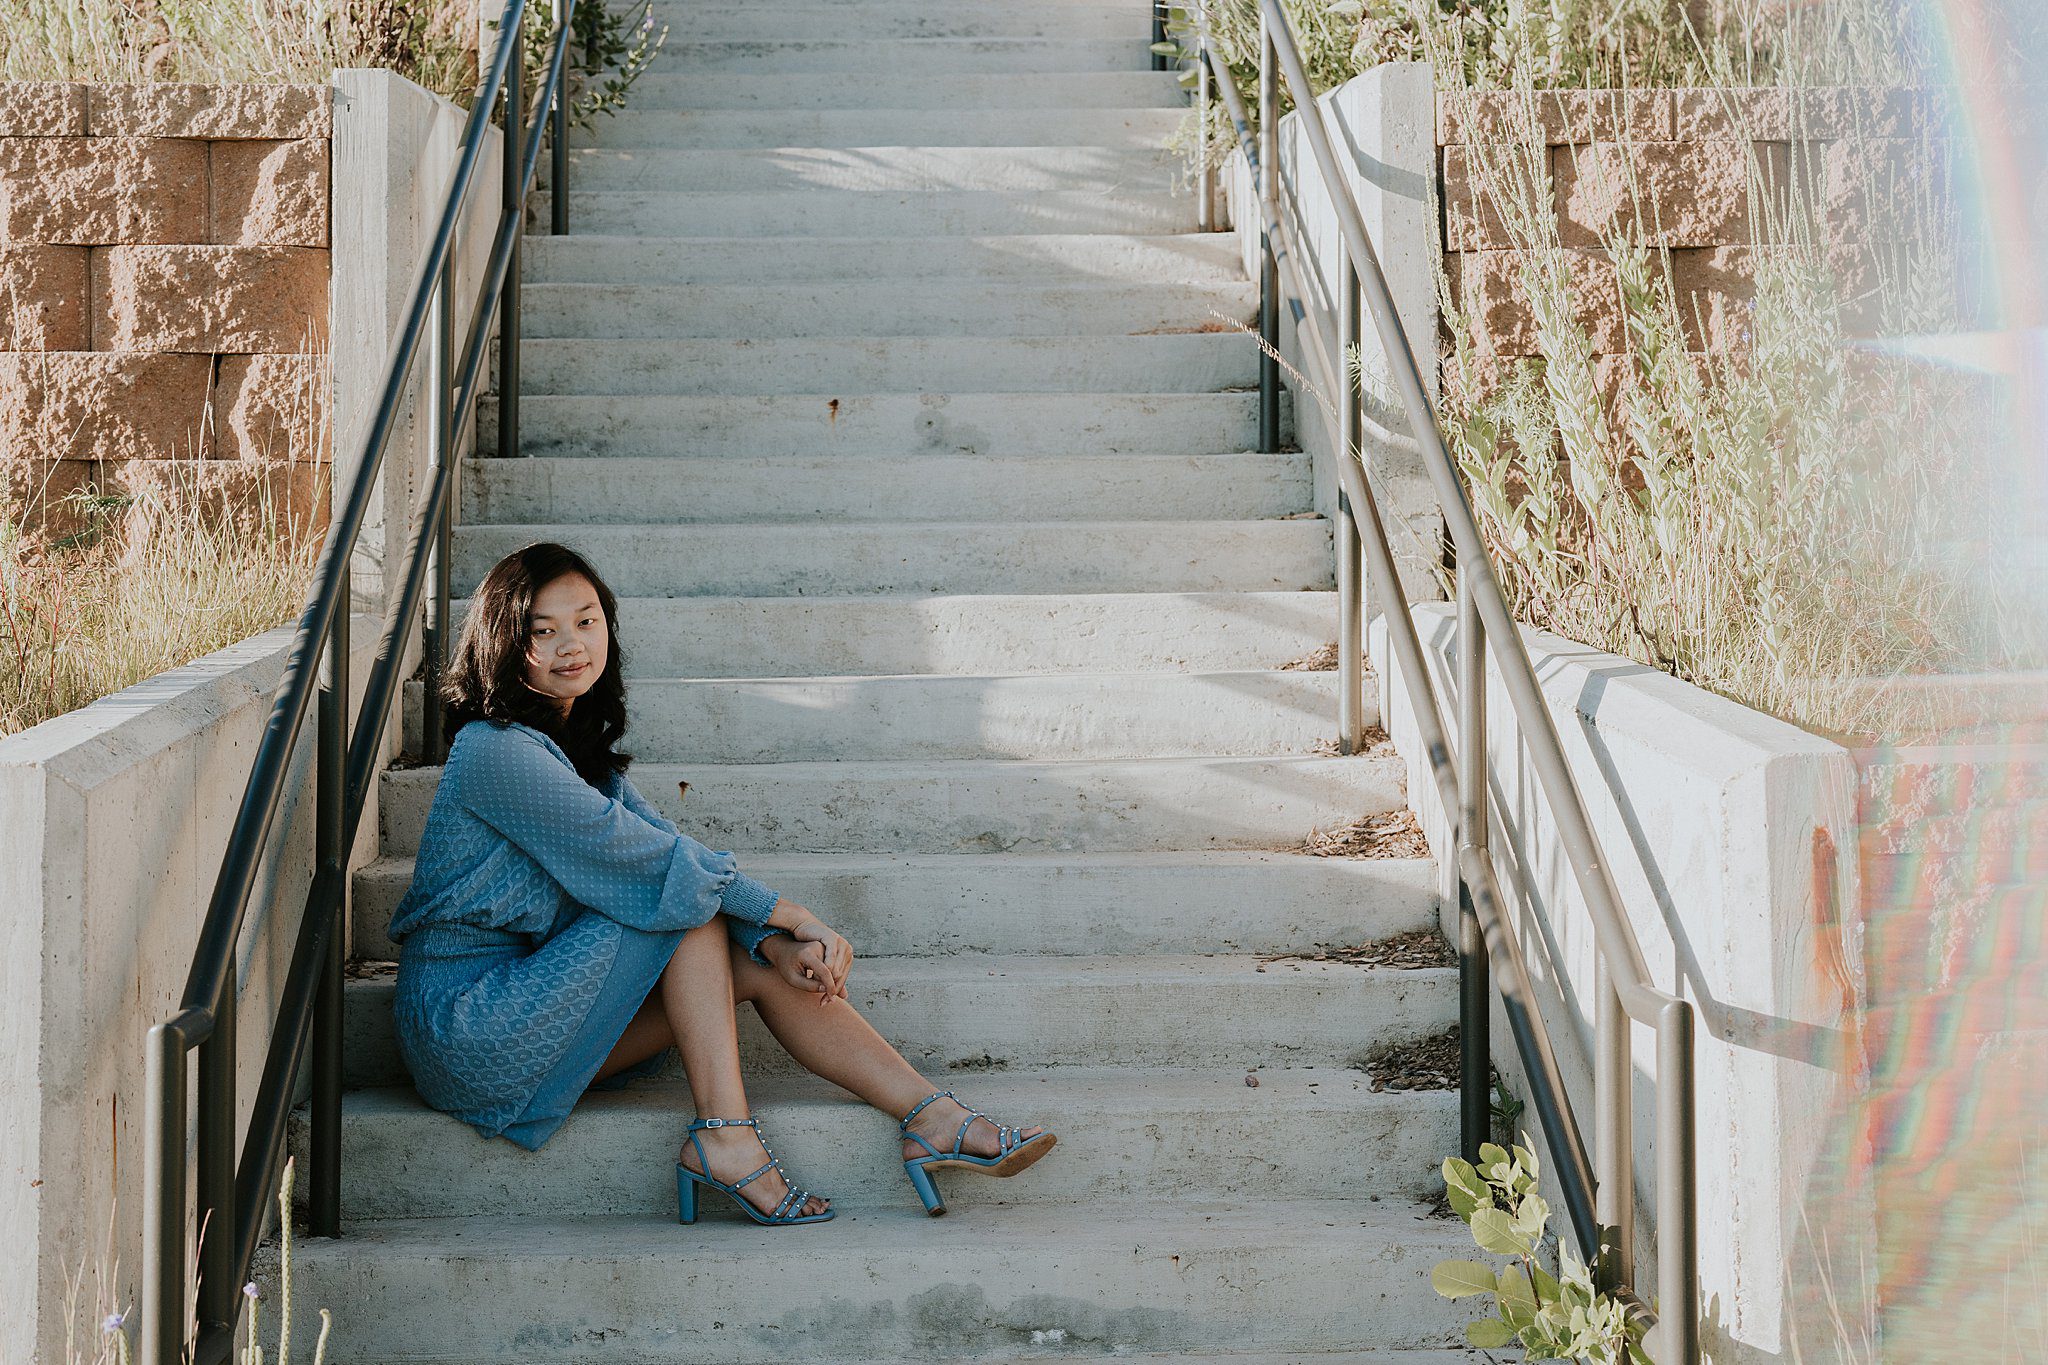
{"x":566,"y":640}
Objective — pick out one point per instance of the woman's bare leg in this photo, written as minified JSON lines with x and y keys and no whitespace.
{"x":835,"y":1042}
{"x":696,"y":1010}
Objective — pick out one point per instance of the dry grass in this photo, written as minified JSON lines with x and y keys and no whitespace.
{"x":1410,"y":951}
{"x":149,"y":583}
{"x":1321,"y":659}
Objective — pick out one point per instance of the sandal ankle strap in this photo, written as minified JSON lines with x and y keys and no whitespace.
{"x":722,"y":1123}
{"x":904,"y":1124}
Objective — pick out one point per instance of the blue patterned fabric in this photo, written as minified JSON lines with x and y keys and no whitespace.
{"x":540,"y":915}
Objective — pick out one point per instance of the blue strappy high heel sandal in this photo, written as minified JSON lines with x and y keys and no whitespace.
{"x":1013,"y":1153}
{"x":688,"y":1180}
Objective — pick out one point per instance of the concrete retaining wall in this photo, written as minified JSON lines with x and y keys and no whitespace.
{"x":163,"y":294}
{"x":116,"y":819}
{"x":1732,"y":838}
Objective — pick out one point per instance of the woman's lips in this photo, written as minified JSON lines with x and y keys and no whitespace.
{"x":573,"y":671}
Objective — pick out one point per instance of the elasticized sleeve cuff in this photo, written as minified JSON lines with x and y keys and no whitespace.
{"x":748,"y":900}
{"x":751,"y":937}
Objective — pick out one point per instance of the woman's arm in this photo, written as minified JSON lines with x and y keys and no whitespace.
{"x":605,"y":856}
{"x":748,"y":936}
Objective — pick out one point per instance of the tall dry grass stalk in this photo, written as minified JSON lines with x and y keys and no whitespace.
{"x":149,"y":582}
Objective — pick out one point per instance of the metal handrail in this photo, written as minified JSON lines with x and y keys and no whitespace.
{"x":1598,"y":1193}
{"x":234,"y":1193}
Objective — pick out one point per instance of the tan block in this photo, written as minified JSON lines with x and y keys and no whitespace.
{"x":271,"y":408}
{"x":89,"y":191}
{"x":42,"y":109}
{"x":289,"y":497}
{"x":1882,"y":189}
{"x":1734,"y":115}
{"x":44,"y":495}
{"x":1871,"y":112}
{"x":169,"y":109}
{"x":269,"y":193}
{"x":1557,"y":116}
{"x":1714,"y":288}
{"x":1496,"y":299}
{"x":215,"y":299}
{"x":1676,"y":193}
{"x":1473,"y":218}
{"x":43,"y":296}
{"x":82,"y":405}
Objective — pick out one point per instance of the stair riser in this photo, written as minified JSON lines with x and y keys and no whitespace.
{"x":891,"y":213}
{"x":782,"y":23}
{"x":1109,"y":807}
{"x":908,"y":488}
{"x":1091,"y":170}
{"x":889,"y":309}
{"x":882,"y":59}
{"x":1041,"y":716}
{"x":1043,"y":258}
{"x":783,"y":637}
{"x":784,"y":560}
{"x":947,"y":1027}
{"x":704,"y":130}
{"x":722,"y":1291}
{"x":1093,"y":906}
{"x":981,"y":90}
{"x":991,"y":424}
{"x":617,"y":1160}
{"x":1198,"y":363}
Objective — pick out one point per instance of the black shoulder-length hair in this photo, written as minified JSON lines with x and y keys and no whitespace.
{"x":486,"y":678}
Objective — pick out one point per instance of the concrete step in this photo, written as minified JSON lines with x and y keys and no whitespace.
{"x":1095,"y":170}
{"x":1154,"y":1275}
{"x":1006,"y":89}
{"x":798,"y":559}
{"x":1054,"y":904}
{"x":986,"y":806}
{"x":1200,"y":1135}
{"x":870,"y":59}
{"x":776,"y":22}
{"x":1199,"y":258}
{"x":704,"y":129}
{"x":905,"y":487}
{"x":980,"y":1013}
{"x":891,"y":308}
{"x":875,"y":213}
{"x":990,"y":424}
{"x":1446,"y":1356}
{"x":753,"y":637}
{"x":1170,"y":363}
{"x":1025,"y":715}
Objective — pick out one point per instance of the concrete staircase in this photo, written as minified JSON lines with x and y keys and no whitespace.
{"x":884,"y":379}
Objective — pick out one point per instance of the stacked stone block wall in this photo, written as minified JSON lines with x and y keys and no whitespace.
{"x":1711,"y":174}
{"x":163,"y":295}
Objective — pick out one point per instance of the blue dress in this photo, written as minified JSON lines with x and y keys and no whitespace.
{"x":540,"y":915}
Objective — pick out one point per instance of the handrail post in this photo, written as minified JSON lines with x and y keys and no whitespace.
{"x":1269,"y":266}
{"x":1350,"y":589}
{"x":1678,"y":1244}
{"x":1158,"y":33}
{"x":1475,"y":814}
{"x":215,"y":1162}
{"x":162,"y":1329}
{"x":434,"y":632}
{"x":513,"y":203}
{"x":1614,"y":1193}
{"x":324,"y":1189}
{"x":1205,"y":186}
{"x":558,"y":174}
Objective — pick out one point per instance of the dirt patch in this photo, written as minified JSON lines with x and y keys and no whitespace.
{"x":1395,"y":834}
{"x":367,"y":969}
{"x":984,"y":1062}
{"x":1412,"y":951}
{"x":1376,"y":744}
{"x":1415,"y":1064}
{"x":1321,"y":659}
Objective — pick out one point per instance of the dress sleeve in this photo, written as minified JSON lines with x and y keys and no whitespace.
{"x":748,"y":936}
{"x":604,"y":855}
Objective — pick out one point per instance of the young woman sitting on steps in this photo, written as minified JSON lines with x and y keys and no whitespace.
{"x":560,"y":932}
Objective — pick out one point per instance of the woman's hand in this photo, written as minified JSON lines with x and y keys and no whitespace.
{"x":813,"y":958}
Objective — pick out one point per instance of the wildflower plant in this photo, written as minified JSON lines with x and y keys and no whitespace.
{"x":1553,"y":1316}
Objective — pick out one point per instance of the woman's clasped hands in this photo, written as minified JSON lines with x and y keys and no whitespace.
{"x":813,"y":957}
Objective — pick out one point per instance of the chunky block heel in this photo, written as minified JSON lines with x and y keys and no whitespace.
{"x":1013,"y":1153}
{"x":688,"y":1180}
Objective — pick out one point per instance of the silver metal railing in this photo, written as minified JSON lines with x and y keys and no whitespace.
{"x":1598,"y":1191}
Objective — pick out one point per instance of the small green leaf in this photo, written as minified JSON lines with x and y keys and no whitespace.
{"x":1459,"y":1175}
{"x":1546,"y":1284}
{"x":1531,"y":1217}
{"x":1517,"y":1298}
{"x":1495,"y":1232}
{"x":1527,"y":1156}
{"x":1492,"y":1154}
{"x":1461,"y":1279}
{"x":1488,"y":1334}
{"x":1167,"y":49}
{"x":1638,"y":1356}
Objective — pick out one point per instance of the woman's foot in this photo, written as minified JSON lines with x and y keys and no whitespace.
{"x":737,"y":1152}
{"x":939,"y":1123}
